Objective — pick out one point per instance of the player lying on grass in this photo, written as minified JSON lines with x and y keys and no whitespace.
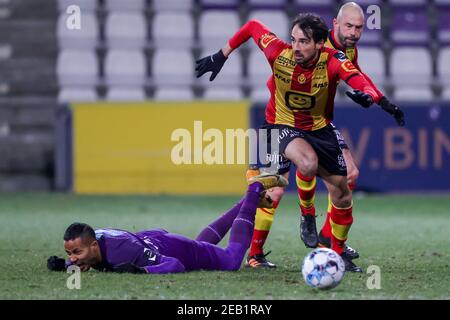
{"x":158,"y":251}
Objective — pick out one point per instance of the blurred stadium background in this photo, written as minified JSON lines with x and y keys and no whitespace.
{"x":141,"y":54}
{"x":91,"y":111}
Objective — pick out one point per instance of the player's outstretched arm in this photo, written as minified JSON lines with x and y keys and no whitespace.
{"x":252,"y":29}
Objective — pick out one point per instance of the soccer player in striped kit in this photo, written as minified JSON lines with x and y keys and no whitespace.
{"x":303,"y":86}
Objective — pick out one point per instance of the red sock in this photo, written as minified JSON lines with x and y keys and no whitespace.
{"x":341,"y":220}
{"x":258,"y":240}
{"x":260,"y":236}
{"x":326,"y":229}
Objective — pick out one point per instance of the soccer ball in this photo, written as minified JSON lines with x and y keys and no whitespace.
{"x":323,"y":268}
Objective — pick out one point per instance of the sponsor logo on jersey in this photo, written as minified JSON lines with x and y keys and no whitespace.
{"x":297,"y":101}
{"x":320,"y":85}
{"x":286,"y":62}
{"x":281,"y":77}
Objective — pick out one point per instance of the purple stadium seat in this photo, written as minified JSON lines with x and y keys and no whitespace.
{"x":371,"y":37}
{"x":442,"y":3}
{"x":324,"y":11}
{"x":267,"y":4}
{"x":320,"y":3}
{"x":443,"y":28}
{"x":408,"y":2}
{"x":219,"y":4}
{"x":410,"y":26}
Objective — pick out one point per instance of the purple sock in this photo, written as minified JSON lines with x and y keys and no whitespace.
{"x":215,"y":231}
{"x":242,"y":228}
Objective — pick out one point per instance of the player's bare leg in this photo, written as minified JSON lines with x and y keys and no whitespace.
{"x":300,"y":152}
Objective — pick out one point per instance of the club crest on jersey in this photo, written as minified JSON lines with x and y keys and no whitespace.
{"x":302,"y":78}
{"x":266,"y":39}
{"x":349,"y":66}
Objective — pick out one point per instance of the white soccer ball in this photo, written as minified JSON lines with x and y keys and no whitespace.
{"x":323,"y":268}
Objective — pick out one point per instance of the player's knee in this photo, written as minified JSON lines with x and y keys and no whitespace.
{"x":308,"y":166}
{"x":343,"y":201}
{"x":309,"y":170}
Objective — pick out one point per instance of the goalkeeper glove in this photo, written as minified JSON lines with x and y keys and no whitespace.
{"x":55,"y":263}
{"x":393,"y":110}
{"x":360,"y":97}
{"x":213,"y":63}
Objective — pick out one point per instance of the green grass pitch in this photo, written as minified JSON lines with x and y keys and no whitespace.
{"x":408,"y":237}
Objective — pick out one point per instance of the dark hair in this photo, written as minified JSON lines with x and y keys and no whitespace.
{"x":79,"y":230}
{"x":312,"y":25}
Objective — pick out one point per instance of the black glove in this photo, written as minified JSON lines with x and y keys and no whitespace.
{"x":55,"y":263}
{"x":393,"y":110}
{"x":210,"y":63}
{"x":361,"y":98}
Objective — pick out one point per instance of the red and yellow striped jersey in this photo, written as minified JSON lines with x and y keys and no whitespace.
{"x":352,"y":55}
{"x":301,"y":97}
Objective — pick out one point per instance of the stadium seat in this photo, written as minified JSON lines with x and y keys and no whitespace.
{"x":446,"y":95}
{"x":179,"y":94}
{"x":442,"y":3}
{"x":275,"y":20}
{"x":411,"y":65}
{"x":125,"y":68}
{"x":443,"y":66}
{"x":125,"y":94}
{"x":443,"y":27}
{"x":84,"y":38}
{"x":323,"y":9}
{"x":260,"y":95}
{"x":173,"y":30}
{"x":85,"y":5}
{"x":79,"y":68}
{"x":413,"y":94}
{"x":128,"y":5}
{"x":219,"y":4}
{"x":267,"y":4}
{"x":234,"y":93}
{"x":173,"y":68}
{"x":126,"y":30}
{"x":231,"y":73}
{"x":322,"y":3}
{"x":173,"y":5}
{"x":259,"y":69}
{"x":398,"y":3}
{"x":372,"y":62}
{"x":410,"y":26}
{"x":211,"y":27}
{"x":70,"y":94}
{"x":371,"y":37}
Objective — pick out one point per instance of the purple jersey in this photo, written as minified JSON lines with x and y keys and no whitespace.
{"x":123,"y":251}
